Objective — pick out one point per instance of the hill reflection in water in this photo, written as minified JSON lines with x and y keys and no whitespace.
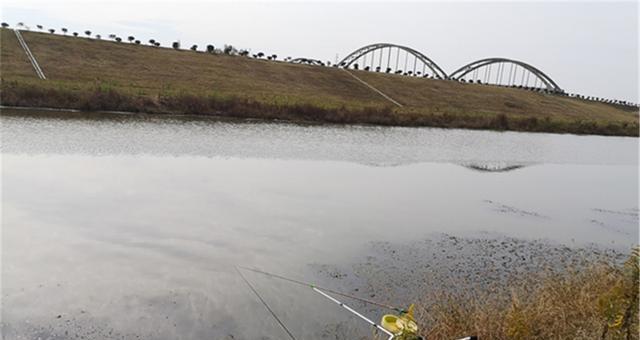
{"x":102,"y":134}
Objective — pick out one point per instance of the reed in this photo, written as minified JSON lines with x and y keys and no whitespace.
{"x":600,"y":302}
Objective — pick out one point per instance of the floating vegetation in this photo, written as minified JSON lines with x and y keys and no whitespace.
{"x":506,"y":209}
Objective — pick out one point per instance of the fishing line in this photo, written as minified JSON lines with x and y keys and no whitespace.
{"x":399,"y":310}
{"x":323,"y":292}
{"x":266,"y":305}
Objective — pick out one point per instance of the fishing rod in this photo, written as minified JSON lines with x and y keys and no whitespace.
{"x":323,"y":292}
{"x":353,"y":311}
{"x":315,"y":289}
{"x":307,"y":284}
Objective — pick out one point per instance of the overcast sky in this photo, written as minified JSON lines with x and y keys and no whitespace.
{"x":586,"y":47}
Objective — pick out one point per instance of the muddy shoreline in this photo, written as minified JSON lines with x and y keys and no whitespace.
{"x":392,"y":273}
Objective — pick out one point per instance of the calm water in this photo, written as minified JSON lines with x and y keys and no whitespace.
{"x":132,"y":226}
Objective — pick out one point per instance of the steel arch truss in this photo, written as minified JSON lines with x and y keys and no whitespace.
{"x":355,"y":55}
{"x":307,"y":61}
{"x":471,"y":67}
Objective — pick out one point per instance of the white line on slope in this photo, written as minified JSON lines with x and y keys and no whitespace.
{"x":373,"y":88}
{"x":32,"y":59}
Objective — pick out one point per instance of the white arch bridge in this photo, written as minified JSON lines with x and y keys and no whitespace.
{"x":398,"y":59}
{"x":505,"y":72}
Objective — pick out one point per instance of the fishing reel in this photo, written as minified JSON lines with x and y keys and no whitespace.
{"x":403,"y":326}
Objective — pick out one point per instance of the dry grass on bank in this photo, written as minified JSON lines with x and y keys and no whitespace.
{"x":74,"y":63}
{"x":82,"y":73}
{"x":598,"y":303}
{"x":105,"y":98}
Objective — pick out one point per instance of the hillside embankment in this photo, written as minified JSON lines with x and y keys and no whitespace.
{"x":101,"y":75}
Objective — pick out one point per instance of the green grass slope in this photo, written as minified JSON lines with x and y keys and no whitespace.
{"x":105,"y":75}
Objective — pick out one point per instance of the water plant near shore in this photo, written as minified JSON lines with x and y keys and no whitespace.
{"x":598,"y":303}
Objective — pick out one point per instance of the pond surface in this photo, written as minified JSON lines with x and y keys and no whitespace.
{"x":132,"y":226}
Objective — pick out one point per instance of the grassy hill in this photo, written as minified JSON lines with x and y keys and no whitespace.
{"x":104,"y":75}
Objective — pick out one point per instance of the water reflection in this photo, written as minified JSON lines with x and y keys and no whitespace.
{"x":374,"y":146}
{"x":131,"y":226}
{"x":493,"y":167}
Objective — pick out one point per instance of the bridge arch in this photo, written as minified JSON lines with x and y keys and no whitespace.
{"x":364,"y":51}
{"x":525,"y":71}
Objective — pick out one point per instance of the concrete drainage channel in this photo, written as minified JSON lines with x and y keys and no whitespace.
{"x":373,"y":88}
{"x":32,"y":59}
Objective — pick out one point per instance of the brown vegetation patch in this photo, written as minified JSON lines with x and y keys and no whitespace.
{"x":96,"y":75}
{"x":600,"y":302}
